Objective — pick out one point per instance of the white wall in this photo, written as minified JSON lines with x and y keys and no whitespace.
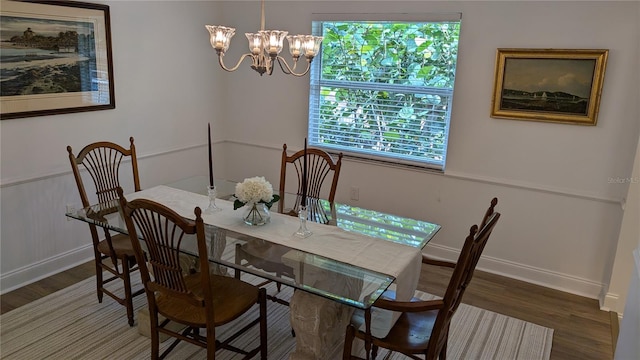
{"x":561,"y":216}
{"x":624,"y":266}
{"x":627,"y":346}
{"x":621,"y":284}
{"x":164,"y":85}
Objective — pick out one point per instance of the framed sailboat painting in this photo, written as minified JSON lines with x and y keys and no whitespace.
{"x":553,"y":85}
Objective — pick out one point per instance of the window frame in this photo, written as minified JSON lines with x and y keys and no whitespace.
{"x":316,"y":84}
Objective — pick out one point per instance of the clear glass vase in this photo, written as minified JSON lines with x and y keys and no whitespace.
{"x":256,"y":214}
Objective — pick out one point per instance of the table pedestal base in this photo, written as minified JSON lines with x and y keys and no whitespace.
{"x":319,"y":325}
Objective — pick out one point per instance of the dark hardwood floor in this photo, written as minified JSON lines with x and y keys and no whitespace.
{"x":581,"y":330}
{"x":44,"y":287}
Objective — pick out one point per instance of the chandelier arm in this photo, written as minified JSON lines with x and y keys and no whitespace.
{"x":288,"y":70}
{"x":270,"y":67}
{"x":284,"y":70}
{"x":221,"y":62}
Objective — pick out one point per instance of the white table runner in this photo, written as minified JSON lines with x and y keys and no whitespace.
{"x":400,"y":261}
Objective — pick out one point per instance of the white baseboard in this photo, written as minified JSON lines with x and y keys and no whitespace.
{"x":33,"y":272}
{"x":609,"y":301}
{"x":542,"y":277}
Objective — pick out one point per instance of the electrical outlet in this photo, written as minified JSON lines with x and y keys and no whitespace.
{"x":355,"y":193}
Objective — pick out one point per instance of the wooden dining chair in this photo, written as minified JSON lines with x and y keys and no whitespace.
{"x":200,"y":300}
{"x":114,"y":253}
{"x":320,"y":167}
{"x":423,"y":326}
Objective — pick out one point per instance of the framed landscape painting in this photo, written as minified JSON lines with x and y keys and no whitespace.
{"x":552,"y":85}
{"x":55,"y":58}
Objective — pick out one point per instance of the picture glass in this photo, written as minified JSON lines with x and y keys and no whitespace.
{"x":55,"y":59}
{"x":548,"y":85}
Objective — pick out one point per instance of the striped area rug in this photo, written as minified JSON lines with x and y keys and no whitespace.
{"x":71,"y":324}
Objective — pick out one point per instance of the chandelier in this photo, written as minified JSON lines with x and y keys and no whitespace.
{"x":265,"y":47}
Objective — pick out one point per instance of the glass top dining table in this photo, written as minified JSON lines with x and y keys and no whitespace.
{"x":304,"y":266}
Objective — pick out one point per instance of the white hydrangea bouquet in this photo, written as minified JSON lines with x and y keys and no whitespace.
{"x":253,"y":191}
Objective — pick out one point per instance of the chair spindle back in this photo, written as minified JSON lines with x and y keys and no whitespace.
{"x":163,"y":232}
{"x":461,"y":277}
{"x":102,"y":160}
{"x":319,"y":165}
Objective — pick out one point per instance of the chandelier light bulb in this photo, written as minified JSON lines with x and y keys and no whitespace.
{"x":311,"y":45}
{"x":273,"y":40}
{"x":255,"y":43}
{"x":220,"y":37}
{"x":295,"y":45}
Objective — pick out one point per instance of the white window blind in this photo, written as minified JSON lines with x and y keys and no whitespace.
{"x":383,"y":89}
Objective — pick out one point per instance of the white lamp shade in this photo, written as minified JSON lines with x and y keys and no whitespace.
{"x":220,"y":36}
{"x":272,"y":40}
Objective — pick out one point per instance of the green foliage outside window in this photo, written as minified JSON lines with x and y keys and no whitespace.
{"x":385,"y":88}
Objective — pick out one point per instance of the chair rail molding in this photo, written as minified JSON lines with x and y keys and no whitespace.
{"x":468,"y":177}
{"x":55,"y":173}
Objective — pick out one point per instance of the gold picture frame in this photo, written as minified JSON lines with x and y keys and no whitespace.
{"x":552,"y":85}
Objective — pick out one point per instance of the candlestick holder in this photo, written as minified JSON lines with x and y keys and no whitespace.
{"x":302,"y":232}
{"x":213,"y":193}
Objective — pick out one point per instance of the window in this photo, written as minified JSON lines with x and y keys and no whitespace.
{"x":383,"y":90}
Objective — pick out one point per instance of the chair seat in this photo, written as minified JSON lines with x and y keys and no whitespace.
{"x":232,"y":297}
{"x":121,"y":245}
{"x":411,"y":333}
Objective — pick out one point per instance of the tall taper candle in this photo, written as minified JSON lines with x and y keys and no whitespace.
{"x":304,"y":176}
{"x":210,"y":158}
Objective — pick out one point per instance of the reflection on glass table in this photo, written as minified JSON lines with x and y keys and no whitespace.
{"x":411,"y":232}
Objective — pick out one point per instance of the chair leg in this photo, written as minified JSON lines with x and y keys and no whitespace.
{"x":348,"y":342}
{"x":127,"y":289}
{"x":262,"y":298}
{"x":238,"y":261}
{"x":99,"y":278}
{"x":155,"y":336}
{"x":443,"y":351}
{"x":211,"y":343}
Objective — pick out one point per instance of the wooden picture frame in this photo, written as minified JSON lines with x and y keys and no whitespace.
{"x":553,"y":85}
{"x":56,"y":58}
